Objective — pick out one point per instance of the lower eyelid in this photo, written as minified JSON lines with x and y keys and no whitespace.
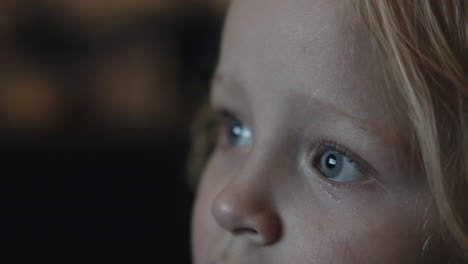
{"x":369,"y":184}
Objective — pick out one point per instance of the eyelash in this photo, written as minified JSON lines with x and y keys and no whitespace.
{"x":224,"y":117}
{"x":325,"y":144}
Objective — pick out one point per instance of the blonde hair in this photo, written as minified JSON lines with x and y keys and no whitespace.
{"x":425,"y":45}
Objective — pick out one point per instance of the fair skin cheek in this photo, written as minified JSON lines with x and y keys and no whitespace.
{"x":285,"y":69}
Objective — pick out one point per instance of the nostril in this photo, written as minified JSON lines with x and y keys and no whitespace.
{"x":245,"y":231}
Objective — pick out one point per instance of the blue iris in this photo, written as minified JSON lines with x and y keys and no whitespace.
{"x":337,"y":167}
{"x":238,"y":134}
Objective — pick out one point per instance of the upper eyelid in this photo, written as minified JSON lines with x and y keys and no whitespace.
{"x":332,"y":145}
{"x":224,"y":113}
{"x":388,"y":131}
{"x":222,"y":118}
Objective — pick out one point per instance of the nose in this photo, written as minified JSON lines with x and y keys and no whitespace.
{"x":246,"y":212}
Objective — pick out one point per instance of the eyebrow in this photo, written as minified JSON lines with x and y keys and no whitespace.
{"x":385,"y":130}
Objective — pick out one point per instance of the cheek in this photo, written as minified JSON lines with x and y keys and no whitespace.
{"x":375,"y":236}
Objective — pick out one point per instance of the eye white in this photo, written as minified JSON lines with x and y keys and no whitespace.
{"x":337,"y":167}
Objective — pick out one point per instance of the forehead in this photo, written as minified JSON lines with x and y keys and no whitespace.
{"x":307,"y":48}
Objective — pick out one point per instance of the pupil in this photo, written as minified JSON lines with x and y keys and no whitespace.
{"x":331,"y":161}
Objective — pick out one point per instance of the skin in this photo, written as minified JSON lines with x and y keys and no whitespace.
{"x":295,"y":72}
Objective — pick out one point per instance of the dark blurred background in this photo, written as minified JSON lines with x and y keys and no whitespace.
{"x":96,"y":100}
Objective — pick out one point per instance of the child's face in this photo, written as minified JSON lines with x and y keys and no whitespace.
{"x":312,"y":162}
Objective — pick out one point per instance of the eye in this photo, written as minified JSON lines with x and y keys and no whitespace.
{"x":236,"y":133}
{"x":337,"y":167}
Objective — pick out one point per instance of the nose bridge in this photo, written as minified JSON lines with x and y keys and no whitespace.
{"x":248,"y":187}
{"x":252,"y":180}
{"x":244,"y":205}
